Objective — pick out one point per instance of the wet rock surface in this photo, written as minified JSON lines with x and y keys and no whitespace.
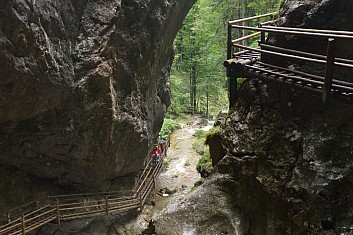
{"x":209,"y":209}
{"x":290,"y":159}
{"x":206,"y":209}
{"x":81,"y":82}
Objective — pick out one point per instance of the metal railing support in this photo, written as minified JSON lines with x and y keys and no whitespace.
{"x":331,"y":49}
{"x":106,"y":206}
{"x":23,"y":225}
{"x":233,"y":87}
{"x":262,"y":41}
{"x":229,"y":46}
{"x":57,"y":212}
{"x":140,"y":197}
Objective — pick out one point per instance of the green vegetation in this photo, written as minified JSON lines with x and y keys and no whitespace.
{"x":169,"y":125}
{"x":198,"y":77}
{"x":213,"y":131}
{"x":165,"y":163}
{"x":204,"y":166}
{"x":199,"y":143}
{"x":199,"y":146}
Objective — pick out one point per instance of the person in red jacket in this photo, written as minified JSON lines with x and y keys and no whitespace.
{"x":156,"y":155}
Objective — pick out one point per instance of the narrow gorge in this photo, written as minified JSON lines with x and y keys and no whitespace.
{"x":84,"y":88}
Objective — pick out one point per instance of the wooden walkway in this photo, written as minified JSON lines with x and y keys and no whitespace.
{"x":75,"y":206}
{"x":255,"y":62}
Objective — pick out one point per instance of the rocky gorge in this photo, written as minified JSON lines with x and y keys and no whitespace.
{"x":283,"y":160}
{"x":82,"y":82}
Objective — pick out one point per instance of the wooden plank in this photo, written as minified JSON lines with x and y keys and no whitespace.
{"x":245,"y":37}
{"x":18,"y":220}
{"x":292,"y":77}
{"x":33,"y":226}
{"x":315,"y":77}
{"x":282,"y":55}
{"x":252,"y":18}
{"x":79,"y":214}
{"x":311,"y":30}
{"x":36,"y":211}
{"x":42,"y":214}
{"x":18,"y":224}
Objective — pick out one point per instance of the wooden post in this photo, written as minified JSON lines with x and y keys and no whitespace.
{"x":106,"y":206}
{"x":57,"y":212}
{"x":262,"y":41}
{"x":263,"y":38}
{"x":331,"y":49}
{"x":140,"y":196}
{"x":229,"y":46}
{"x":23,"y":225}
{"x":232,"y":81}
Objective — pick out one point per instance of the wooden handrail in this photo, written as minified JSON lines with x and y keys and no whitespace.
{"x":66,"y":211}
{"x":282,"y":54}
{"x":40,"y":223}
{"x":339,"y":32}
{"x":246,"y":37}
{"x":252,"y":18}
{"x":302,"y":53}
{"x":88,"y":194}
{"x":42,"y":214}
{"x":240,"y":65}
{"x":306,"y":34}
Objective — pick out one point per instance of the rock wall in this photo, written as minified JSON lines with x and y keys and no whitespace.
{"x":289,"y":157}
{"x":84,"y":85}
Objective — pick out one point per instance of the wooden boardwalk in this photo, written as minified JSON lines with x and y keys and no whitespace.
{"x":75,"y":206}
{"x":255,"y":62}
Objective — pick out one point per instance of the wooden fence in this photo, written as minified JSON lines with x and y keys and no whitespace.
{"x":259,"y":61}
{"x":75,"y":206}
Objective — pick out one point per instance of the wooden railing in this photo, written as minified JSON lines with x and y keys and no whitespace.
{"x":75,"y":206}
{"x":237,"y":67}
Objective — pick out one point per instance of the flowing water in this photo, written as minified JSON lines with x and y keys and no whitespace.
{"x":178,"y":178}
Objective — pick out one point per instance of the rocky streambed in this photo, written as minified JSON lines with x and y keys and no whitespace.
{"x":177,"y":206}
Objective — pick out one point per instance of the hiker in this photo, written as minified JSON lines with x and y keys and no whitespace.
{"x":163,"y":145}
{"x":156,"y":155}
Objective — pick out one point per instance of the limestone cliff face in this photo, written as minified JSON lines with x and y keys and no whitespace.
{"x":84,"y":84}
{"x":289,"y":157}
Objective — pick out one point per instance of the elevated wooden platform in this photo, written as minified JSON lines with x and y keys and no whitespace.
{"x":247,"y":63}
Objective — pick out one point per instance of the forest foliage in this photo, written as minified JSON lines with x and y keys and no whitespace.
{"x":198,"y":79}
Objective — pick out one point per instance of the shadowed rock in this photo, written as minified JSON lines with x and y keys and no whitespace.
{"x":84,"y":84}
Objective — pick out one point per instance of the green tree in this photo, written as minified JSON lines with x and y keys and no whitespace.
{"x":198,"y":77}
